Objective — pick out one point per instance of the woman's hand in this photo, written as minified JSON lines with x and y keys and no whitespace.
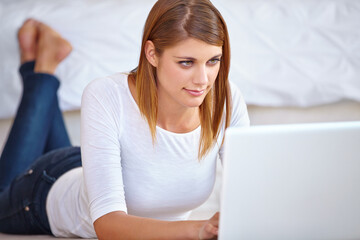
{"x":210,"y":228}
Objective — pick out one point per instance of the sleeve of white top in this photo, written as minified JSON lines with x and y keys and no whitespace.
{"x":101,"y":111}
{"x":239,"y":116}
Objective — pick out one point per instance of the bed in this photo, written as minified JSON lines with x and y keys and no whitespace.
{"x":295,"y":61}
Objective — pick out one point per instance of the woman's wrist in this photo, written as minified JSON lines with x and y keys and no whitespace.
{"x":195,"y":229}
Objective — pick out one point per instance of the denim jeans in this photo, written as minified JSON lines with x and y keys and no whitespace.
{"x":37,"y":152}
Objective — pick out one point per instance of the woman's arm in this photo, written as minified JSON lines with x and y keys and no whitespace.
{"x":119,"y":225}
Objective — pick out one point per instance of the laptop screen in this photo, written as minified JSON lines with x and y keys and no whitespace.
{"x":299,"y":181}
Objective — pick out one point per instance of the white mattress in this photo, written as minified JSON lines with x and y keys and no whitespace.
{"x":284,"y":53}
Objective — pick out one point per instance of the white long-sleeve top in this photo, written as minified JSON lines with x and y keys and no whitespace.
{"x":122,"y":169}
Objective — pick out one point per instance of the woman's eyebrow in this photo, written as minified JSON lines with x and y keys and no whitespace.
{"x":192,"y":58}
{"x":217,"y":56}
{"x":184,"y":57}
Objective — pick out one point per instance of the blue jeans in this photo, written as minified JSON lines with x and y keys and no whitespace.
{"x":37,"y":152}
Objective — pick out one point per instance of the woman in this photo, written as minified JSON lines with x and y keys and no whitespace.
{"x":149,"y":138}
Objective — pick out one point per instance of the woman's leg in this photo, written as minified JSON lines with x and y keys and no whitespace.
{"x":52,"y":49}
{"x":58,"y":136}
{"x":35,"y":128}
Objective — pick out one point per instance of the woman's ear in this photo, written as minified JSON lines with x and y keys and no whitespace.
{"x":150,"y":53}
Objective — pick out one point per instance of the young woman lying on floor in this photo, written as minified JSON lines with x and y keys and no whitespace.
{"x":149,"y":138}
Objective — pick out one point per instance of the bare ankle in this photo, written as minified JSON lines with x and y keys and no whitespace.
{"x":41,"y":67}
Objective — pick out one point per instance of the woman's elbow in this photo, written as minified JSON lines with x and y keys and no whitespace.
{"x":109,"y":225}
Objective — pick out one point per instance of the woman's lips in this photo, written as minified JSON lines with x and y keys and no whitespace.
{"x":195,"y":93}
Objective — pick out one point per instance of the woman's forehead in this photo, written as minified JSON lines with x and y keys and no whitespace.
{"x":193,"y":48}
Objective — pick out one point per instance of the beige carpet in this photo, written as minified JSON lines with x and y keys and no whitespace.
{"x":29,"y":237}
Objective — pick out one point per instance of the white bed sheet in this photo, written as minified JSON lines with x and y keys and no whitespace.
{"x":295,"y":52}
{"x":284,"y":53}
{"x":105,"y":35}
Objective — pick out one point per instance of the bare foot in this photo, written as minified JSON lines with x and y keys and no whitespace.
{"x":52,"y":48}
{"x":27,"y":38}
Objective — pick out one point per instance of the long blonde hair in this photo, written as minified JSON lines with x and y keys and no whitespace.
{"x":168,"y":23}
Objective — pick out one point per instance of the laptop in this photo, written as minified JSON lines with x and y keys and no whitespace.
{"x":296,"y":181}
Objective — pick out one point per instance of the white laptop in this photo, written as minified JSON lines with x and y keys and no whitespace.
{"x":299,"y":181}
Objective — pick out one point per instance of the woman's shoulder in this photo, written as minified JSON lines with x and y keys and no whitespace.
{"x":115,"y":81}
{"x":235,"y":90}
{"x":236,"y":95}
{"x":239,"y":109}
{"x":112,"y":90}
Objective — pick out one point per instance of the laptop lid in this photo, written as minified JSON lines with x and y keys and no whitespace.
{"x":299,"y":181}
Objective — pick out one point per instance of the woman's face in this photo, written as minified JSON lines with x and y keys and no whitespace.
{"x":186,"y":72}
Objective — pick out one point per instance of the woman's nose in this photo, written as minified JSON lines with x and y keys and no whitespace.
{"x":201,"y":76}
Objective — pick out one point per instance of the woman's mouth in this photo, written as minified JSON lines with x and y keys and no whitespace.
{"x":195,"y":93}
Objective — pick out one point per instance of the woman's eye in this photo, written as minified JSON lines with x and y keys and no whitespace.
{"x":214,"y":61}
{"x":186,"y":63}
